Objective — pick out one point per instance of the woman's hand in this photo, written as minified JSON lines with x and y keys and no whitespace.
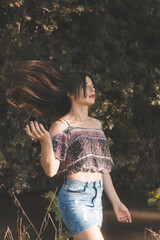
{"x":37,"y":132}
{"x":122,"y":213}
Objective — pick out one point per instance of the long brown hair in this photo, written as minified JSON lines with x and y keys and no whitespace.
{"x":38,"y":88}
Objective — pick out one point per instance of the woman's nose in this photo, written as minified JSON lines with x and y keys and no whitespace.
{"x":92,"y":88}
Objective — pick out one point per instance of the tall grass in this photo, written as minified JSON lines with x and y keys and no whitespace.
{"x":153,"y":234}
{"x":22,"y":230}
{"x":23,"y":233}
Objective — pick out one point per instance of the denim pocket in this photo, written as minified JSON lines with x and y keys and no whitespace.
{"x":76,"y":188}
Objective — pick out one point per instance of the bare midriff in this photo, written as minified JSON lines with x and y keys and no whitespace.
{"x":86,"y":176}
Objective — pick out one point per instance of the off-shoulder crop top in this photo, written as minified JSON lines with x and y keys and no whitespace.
{"x":82,"y":150}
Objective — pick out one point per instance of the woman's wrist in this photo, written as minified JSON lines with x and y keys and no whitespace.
{"x":46,"y":141}
{"x":116,"y":202}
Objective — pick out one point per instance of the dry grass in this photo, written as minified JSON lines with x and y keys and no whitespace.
{"x":23,"y":230}
{"x":154,"y":235}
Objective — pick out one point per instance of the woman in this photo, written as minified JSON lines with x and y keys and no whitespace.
{"x":75,"y":145}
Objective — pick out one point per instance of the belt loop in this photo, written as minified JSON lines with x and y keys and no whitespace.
{"x":98,"y":183}
{"x":87,"y":184}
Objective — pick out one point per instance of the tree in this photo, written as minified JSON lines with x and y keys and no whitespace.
{"x":119,"y":43}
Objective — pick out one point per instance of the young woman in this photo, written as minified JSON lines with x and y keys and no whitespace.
{"x":75,"y":145}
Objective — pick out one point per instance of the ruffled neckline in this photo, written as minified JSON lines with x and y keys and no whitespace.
{"x":96,"y":129}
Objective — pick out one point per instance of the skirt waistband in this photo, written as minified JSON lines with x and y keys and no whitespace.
{"x":98,"y":183}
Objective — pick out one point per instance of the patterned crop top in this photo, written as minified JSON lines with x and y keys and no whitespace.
{"x":82,"y":150}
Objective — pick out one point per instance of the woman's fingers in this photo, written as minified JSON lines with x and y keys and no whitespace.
{"x":123,"y":219}
{"x":42,"y":128}
{"x":129,"y":217}
{"x":122,"y":213}
{"x":31,"y":131}
{"x":126,"y":218}
{"x":28,"y":131}
{"x":39,"y":131}
{"x":34,"y":130}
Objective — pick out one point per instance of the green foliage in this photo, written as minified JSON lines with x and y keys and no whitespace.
{"x":154,"y":198}
{"x":117,"y":41}
{"x":63,"y":232}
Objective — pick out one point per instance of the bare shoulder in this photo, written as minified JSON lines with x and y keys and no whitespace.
{"x":57,"y":127}
{"x":97,"y":122}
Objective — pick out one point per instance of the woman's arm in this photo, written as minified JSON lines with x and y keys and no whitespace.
{"x":119,"y":208}
{"x":48,"y":161}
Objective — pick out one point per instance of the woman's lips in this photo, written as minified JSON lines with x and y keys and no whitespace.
{"x":92,"y":96}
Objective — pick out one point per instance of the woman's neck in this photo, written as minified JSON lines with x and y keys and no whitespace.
{"x":79,"y":113}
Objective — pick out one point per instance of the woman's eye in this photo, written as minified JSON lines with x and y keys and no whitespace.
{"x":90,"y":87}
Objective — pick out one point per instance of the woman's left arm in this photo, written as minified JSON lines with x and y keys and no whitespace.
{"x":121,"y":211}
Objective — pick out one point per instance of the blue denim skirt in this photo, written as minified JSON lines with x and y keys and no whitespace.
{"x":80,"y":204}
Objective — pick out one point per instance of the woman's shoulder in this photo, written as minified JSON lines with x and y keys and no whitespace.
{"x":96,"y":122}
{"x":57,"y":127}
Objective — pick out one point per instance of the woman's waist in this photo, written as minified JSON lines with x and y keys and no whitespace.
{"x":85,"y":176}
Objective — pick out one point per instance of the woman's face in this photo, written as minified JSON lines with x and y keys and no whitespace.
{"x":90,"y":94}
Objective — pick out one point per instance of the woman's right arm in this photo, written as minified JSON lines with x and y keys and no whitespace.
{"x":48,"y":161}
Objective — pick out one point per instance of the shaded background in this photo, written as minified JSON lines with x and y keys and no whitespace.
{"x":118,"y":41}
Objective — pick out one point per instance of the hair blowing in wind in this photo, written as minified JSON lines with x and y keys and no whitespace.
{"x":38,"y":88}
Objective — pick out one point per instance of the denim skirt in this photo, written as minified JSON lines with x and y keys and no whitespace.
{"x":80,"y":204}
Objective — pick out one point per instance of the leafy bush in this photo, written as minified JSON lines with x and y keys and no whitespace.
{"x":154,"y":198}
{"x":119,"y":43}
